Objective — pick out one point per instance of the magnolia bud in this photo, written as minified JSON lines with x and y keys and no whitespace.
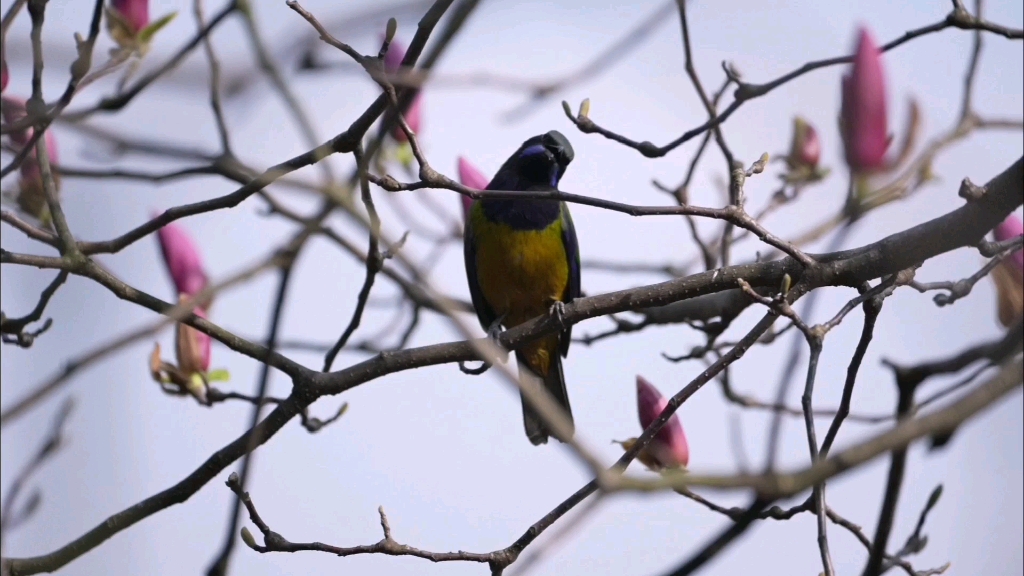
{"x":864,"y":120}
{"x":31,"y":196}
{"x":1012,"y":227}
{"x":669,"y":447}
{"x":470,"y":177}
{"x":805,"y":149}
{"x":1008,"y":275}
{"x":133,"y":13}
{"x":413,"y":116}
{"x":1009,"y":292}
{"x":192,"y":346}
{"x":182,"y":259}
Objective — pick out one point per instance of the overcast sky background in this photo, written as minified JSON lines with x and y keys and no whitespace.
{"x":444,"y":453}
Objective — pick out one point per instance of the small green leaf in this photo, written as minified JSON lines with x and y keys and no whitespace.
{"x":584,"y":108}
{"x":247,"y":538}
{"x":196,"y":386}
{"x":758,"y":166}
{"x":404,"y":155}
{"x":147,"y":33}
{"x":218,"y":375}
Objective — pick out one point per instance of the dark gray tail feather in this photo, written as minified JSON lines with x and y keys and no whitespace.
{"x":536,"y":431}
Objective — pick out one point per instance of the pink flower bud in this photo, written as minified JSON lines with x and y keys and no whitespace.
{"x":470,"y":177}
{"x":192,"y":347}
{"x":31,"y":193}
{"x":669,"y":447}
{"x":135,"y":13}
{"x":393,"y":59}
{"x":182,"y":259}
{"x":30,"y":167}
{"x":13,"y":111}
{"x":413,"y":116}
{"x":31,"y":197}
{"x":1009,"y":292}
{"x":1012,"y":227}
{"x":805,"y":149}
{"x":863,"y":119}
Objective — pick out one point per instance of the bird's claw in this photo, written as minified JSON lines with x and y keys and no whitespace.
{"x":557,"y":311}
{"x":494,"y":333}
{"x":494,"y":330}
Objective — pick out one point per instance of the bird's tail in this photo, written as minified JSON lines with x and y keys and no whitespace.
{"x":554,"y":382}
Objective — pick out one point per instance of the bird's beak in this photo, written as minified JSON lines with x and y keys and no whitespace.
{"x":559,"y":147}
{"x":557,"y":154}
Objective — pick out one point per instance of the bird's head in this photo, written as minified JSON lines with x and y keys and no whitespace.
{"x":543,"y":159}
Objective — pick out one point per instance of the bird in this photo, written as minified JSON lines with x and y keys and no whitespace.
{"x":522,"y":261}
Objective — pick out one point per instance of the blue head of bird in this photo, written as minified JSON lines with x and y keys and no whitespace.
{"x":537,"y":165}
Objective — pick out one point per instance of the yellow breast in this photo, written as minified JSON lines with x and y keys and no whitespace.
{"x":520,"y":272}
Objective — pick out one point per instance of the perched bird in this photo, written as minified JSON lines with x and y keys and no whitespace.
{"x":522,"y":259}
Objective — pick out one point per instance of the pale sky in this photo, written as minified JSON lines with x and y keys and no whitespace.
{"x":444,"y":453}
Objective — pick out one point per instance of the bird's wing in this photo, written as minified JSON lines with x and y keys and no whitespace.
{"x":572,"y":254}
{"x":483,"y":310}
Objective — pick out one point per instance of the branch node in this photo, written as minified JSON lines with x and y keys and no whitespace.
{"x":970,"y":191}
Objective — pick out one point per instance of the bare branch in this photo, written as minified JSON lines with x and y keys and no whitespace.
{"x":13,"y":329}
{"x":274,"y":542}
{"x":54,"y":441}
{"x":374,"y":258}
{"x":746,"y":92}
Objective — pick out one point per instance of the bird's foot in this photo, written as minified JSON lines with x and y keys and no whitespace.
{"x":557,"y":311}
{"x":494,"y":332}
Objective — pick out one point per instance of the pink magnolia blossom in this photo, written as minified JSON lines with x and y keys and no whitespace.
{"x":14,"y":111}
{"x":414,"y":115}
{"x":182,"y":259}
{"x":669,"y":447}
{"x":1008,"y":276}
{"x":864,"y":119}
{"x":1012,"y":227}
{"x":470,"y":177}
{"x":393,"y":59}
{"x":192,"y":348}
{"x":805,"y":149}
{"x":30,"y":171}
{"x":135,"y":13}
{"x":31,"y":197}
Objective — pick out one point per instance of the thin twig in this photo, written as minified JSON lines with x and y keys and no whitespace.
{"x":872,"y":308}
{"x":746,"y":92}
{"x":211,"y":58}
{"x":274,"y":542}
{"x":374,"y":263}
{"x":54,"y":441}
{"x":894,"y":484}
{"x":13,"y":329}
